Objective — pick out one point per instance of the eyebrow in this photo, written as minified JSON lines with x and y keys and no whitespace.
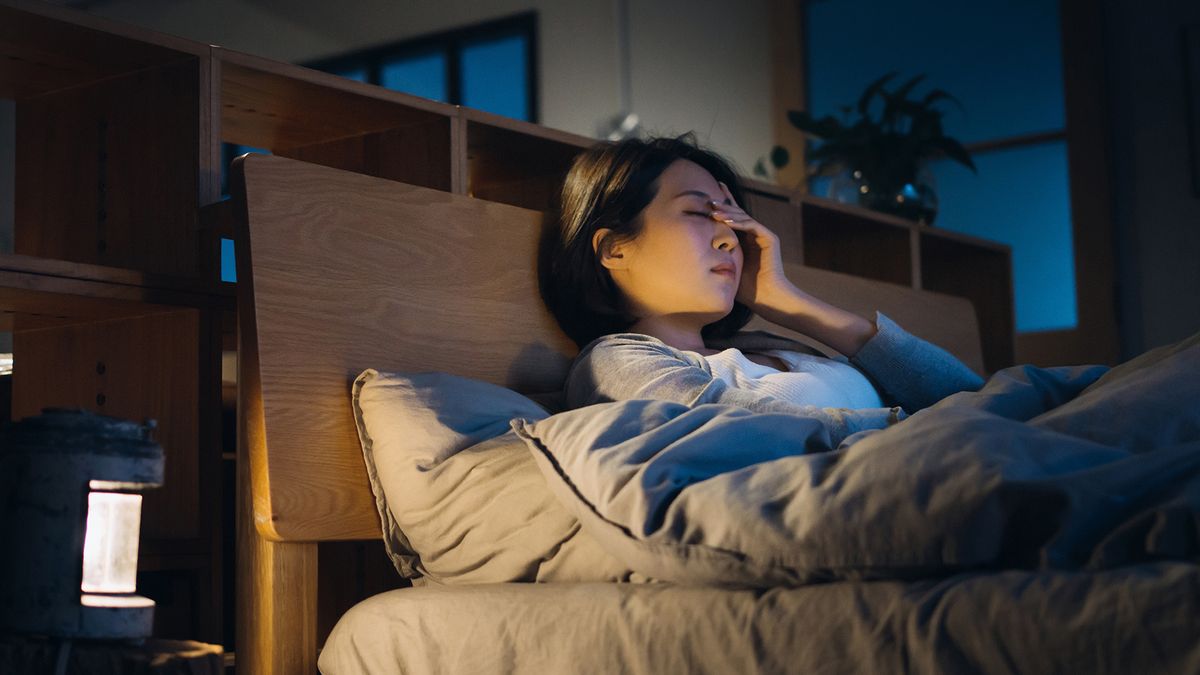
{"x":697,"y":193}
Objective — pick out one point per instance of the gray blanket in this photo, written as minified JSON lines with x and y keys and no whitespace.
{"x":1063,"y":468}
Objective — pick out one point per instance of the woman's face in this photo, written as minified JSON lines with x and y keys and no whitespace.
{"x":684,"y":264}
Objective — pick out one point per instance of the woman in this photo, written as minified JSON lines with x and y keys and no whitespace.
{"x":653,"y":268}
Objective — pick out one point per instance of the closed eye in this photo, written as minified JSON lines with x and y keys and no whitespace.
{"x":702,"y":214}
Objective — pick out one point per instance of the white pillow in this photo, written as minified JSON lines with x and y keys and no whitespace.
{"x":459,"y":495}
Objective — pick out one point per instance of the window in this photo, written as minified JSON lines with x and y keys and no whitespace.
{"x":490,"y":66}
{"x":1003,"y":60}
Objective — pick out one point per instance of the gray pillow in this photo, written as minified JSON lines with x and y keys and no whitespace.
{"x":459,"y":496}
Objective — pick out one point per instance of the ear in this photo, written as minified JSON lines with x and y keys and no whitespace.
{"x":612,"y":255}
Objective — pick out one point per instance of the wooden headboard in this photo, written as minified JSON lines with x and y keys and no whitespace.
{"x":338,"y":272}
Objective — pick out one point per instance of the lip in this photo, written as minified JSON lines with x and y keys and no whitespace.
{"x":725,"y":268}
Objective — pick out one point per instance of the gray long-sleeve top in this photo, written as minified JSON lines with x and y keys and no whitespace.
{"x":909,"y":373}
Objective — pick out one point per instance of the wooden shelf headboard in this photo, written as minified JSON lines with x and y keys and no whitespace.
{"x":338,"y":272}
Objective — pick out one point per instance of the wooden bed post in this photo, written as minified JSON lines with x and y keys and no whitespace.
{"x":276,"y":595}
{"x":276,"y":586}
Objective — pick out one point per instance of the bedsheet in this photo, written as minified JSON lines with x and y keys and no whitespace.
{"x":1139,"y":619}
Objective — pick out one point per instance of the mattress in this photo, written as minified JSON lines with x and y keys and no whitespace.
{"x":1144,"y":618}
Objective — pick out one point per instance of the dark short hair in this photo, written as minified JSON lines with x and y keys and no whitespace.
{"x":608,"y":186}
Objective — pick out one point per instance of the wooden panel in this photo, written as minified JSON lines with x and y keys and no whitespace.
{"x":510,"y":167}
{"x":349,"y":572}
{"x":944,"y":320}
{"x":858,"y":242}
{"x":139,"y":368}
{"x":279,"y":107}
{"x":418,"y":154}
{"x":107,"y":173}
{"x":781,"y":218}
{"x":276,"y":591}
{"x":41,"y":54}
{"x":449,"y":277}
{"x":983,"y":275}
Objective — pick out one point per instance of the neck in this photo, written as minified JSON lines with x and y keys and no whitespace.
{"x":676,"y":331}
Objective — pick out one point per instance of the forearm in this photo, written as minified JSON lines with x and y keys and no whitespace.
{"x":792,"y":308}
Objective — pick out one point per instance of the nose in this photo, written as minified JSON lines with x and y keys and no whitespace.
{"x":725,"y":238}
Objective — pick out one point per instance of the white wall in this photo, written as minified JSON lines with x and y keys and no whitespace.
{"x":1157,"y":214}
{"x":700,"y":66}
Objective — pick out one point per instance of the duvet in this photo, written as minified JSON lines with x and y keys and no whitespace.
{"x":1079,"y":468}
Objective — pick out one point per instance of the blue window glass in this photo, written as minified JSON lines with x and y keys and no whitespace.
{"x":423,"y":75}
{"x":1001,"y":58}
{"x":1021,"y":198}
{"x":228,"y":262}
{"x":494,"y":76}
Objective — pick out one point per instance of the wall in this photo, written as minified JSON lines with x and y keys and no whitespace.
{"x":1156,"y":212}
{"x":700,"y":66}
{"x":8,"y":141}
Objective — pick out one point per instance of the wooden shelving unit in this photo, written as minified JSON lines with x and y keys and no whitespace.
{"x":112,"y":291}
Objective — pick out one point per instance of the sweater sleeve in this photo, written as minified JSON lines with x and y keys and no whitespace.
{"x":911,"y":372}
{"x":632,"y":366}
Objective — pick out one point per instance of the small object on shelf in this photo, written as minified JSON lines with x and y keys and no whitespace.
{"x":71,"y":523}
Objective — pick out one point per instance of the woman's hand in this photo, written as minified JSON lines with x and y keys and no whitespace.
{"x":765,"y":288}
{"x":763,"y":281}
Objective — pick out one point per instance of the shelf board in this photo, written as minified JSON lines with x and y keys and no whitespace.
{"x":508,"y":164}
{"x":277,"y":106}
{"x":45,"y":49}
{"x":39,"y":293}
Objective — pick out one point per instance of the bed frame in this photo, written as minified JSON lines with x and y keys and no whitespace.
{"x":338,"y":272}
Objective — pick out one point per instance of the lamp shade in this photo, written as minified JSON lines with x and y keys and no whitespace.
{"x":70,"y":483}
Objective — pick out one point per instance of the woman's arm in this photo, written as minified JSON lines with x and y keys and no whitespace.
{"x":912,"y":373}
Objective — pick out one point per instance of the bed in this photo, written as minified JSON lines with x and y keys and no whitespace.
{"x":340,"y":272}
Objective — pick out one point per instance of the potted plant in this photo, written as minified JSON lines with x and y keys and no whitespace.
{"x":880,"y":158}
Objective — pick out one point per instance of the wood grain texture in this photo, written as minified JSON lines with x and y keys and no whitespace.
{"x":139,"y":368}
{"x":418,"y":154}
{"x":945,"y":320}
{"x":279,"y":107}
{"x":45,"y":49}
{"x":349,"y":272}
{"x":109,"y":172}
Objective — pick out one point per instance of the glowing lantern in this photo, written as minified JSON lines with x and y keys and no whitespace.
{"x":69,"y":484}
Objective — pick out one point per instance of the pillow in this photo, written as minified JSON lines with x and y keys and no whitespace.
{"x":459,"y":496}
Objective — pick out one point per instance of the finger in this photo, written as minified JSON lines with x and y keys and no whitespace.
{"x":725,"y":189}
{"x":729,"y":210}
{"x":739,"y":216}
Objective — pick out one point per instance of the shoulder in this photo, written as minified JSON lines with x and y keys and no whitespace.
{"x":618,"y":348}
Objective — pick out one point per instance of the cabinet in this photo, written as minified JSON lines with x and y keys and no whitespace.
{"x":112,"y":288}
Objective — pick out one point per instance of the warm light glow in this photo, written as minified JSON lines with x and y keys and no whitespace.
{"x":110,"y":545}
{"x":115,"y":601}
{"x":6,"y":364}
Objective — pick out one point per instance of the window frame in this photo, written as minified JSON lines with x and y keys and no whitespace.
{"x":451,"y":44}
{"x":1095,"y":338}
